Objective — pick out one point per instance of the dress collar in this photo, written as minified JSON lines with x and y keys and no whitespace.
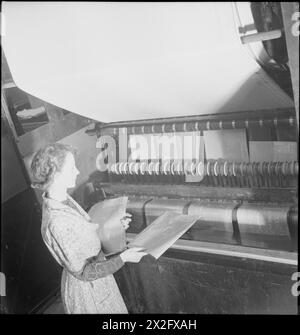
{"x":55,"y":204}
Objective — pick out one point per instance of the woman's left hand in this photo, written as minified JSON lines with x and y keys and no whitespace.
{"x":126,"y":219}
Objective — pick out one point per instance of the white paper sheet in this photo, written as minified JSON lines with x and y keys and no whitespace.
{"x":163,"y":232}
{"x":226,"y":144}
{"x":268,"y":151}
{"x":127,"y":61}
{"x":108,"y":214}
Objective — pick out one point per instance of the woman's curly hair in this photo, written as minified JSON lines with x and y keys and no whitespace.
{"x":47,"y":161}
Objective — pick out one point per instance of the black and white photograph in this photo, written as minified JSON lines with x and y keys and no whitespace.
{"x":149,"y":161}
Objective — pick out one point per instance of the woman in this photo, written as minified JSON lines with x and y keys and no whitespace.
{"x":88,"y":285}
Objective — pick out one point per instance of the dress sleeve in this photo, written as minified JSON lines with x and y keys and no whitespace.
{"x":99,"y":267}
{"x":79,"y":250}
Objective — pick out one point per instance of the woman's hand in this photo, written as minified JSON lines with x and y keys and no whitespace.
{"x":126,"y":219}
{"x":132,"y":255}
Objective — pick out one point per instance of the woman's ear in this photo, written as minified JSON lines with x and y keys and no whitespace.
{"x":52,"y":169}
{"x":53,"y":172}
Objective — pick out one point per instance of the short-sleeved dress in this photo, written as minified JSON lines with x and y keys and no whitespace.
{"x":71,"y":237}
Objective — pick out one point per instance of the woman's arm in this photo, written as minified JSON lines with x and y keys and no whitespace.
{"x":99,"y":267}
{"x":76,"y":256}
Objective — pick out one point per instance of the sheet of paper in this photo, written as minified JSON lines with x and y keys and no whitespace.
{"x":131,"y":60}
{"x":163,"y":232}
{"x":227,"y":144}
{"x":104,"y":210}
{"x":268,"y":151}
{"x":108,"y":214}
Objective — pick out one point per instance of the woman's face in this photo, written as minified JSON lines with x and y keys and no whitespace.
{"x":68,"y":174}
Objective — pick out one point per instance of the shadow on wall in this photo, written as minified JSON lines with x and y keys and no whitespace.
{"x":258,"y":92}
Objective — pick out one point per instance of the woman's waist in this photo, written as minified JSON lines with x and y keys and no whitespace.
{"x":68,"y":276}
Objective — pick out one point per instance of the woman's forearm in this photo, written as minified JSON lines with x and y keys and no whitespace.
{"x":99,"y":267}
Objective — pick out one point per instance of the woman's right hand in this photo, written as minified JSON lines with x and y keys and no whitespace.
{"x":132,"y":255}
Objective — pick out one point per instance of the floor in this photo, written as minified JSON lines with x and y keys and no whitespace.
{"x":54,"y":307}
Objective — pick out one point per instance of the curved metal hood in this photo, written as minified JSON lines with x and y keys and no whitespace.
{"x":130,"y":61}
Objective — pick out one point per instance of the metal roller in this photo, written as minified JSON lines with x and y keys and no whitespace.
{"x":126,"y":168}
{"x":157,"y":207}
{"x":149,"y":172}
{"x":193,"y":168}
{"x":191,"y":126}
{"x":130,"y":167}
{"x":143,"y":167}
{"x":263,"y":219}
{"x":121,"y":168}
{"x":187,"y":167}
{"x":213,"y":215}
{"x":198,"y":123}
{"x":218,"y":172}
{"x":222,"y":173}
{"x":136,"y":172}
{"x":201,"y":169}
{"x":112,"y":168}
{"x":156,"y":172}
{"x":130,"y":176}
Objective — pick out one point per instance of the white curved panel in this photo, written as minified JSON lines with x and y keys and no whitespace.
{"x":126,"y":61}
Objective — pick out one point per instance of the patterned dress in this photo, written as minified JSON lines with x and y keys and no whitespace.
{"x":72,"y":239}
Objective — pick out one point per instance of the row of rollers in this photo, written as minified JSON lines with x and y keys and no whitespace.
{"x":205,"y":125}
{"x":217,"y":172}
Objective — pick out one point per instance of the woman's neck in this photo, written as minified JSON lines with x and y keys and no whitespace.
{"x":57,"y":192}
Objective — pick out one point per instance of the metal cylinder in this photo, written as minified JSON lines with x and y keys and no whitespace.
{"x":263,"y":219}
{"x":213,"y":215}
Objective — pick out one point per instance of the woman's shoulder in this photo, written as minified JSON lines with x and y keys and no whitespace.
{"x":61,"y":217}
{"x":69,"y":223}
{"x":57,"y":220}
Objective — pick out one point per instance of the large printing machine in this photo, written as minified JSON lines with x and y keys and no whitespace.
{"x":239,"y":257}
{"x":175,"y":69}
